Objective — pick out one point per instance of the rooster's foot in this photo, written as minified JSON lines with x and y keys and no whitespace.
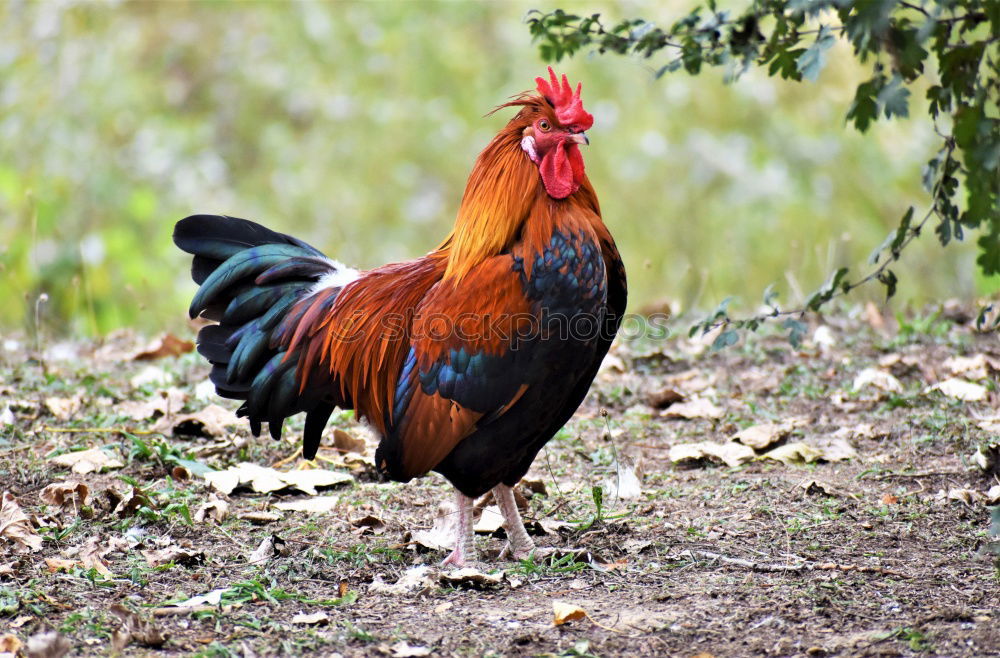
{"x":458,"y":559}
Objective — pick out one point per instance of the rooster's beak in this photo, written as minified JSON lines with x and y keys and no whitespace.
{"x":578,"y":138}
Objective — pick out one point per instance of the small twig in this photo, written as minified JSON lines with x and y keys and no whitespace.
{"x":179,"y":610}
{"x":803,"y":566}
{"x":100,"y":430}
{"x":922,"y":474}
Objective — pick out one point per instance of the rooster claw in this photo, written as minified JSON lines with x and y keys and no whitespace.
{"x":509,"y":552}
{"x":458,"y":560}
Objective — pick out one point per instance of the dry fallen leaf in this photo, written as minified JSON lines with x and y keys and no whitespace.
{"x":134,"y":629}
{"x":211,"y":421}
{"x":441,"y":535}
{"x":967,"y":496}
{"x":15,"y":527}
{"x":961,"y":389}
{"x":692,"y":409}
{"x":625,"y":485}
{"x":273,"y":546}
{"x":92,"y":556}
{"x":344,"y":442}
{"x":9,"y":645}
{"x":993,"y":495}
{"x":876,"y":378}
{"x":490,"y":521}
{"x":211,"y":598}
{"x":66,"y":494}
{"x":314,"y":505}
{"x":265,"y":480}
{"x":636,"y":546}
{"x":259,"y":518}
{"x":762,"y":436}
{"x":566,"y":612}
{"x":987,"y":458}
{"x":535,"y":486}
{"x":730,"y":453}
{"x":369,"y":525}
{"x":130,"y":502}
{"x":991,"y":425}
{"x":979,"y":366}
{"x":151,"y":376}
{"x":163,"y":403}
{"x":404,"y":650}
{"x":64,"y":408}
{"x":172,"y":553}
{"x":794,"y":453}
{"x":165,"y":345}
{"x":611,"y":362}
{"x":215,"y":508}
{"x":47,"y":644}
{"x":835,"y":449}
{"x":54,"y":564}
{"x":899,"y":364}
{"x":21,"y":621}
{"x":859,"y":431}
{"x":664,"y":397}
{"x":86,"y":461}
{"x":311,"y":619}
{"x":414,"y":579}
{"x":471,"y":577}
{"x":824,"y":338}
{"x":817,"y":488}
{"x":695,"y":380}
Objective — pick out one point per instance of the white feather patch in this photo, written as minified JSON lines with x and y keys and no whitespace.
{"x":340,"y":277}
{"x":528,"y":146}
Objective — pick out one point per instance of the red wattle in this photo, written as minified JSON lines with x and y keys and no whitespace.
{"x":559,"y":168}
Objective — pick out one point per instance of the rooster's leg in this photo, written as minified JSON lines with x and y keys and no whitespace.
{"x":465,"y":550}
{"x":519,"y":543}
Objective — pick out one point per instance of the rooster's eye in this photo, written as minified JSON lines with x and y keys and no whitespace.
{"x":544,"y":126}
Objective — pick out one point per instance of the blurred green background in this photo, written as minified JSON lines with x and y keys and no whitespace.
{"x":354,"y":126}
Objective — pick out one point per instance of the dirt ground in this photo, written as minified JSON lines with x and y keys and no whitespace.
{"x":867,"y":532}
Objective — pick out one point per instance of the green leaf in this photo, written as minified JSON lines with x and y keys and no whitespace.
{"x":770,"y":295}
{"x":909,"y":54}
{"x":796,"y":330}
{"x":892,"y":98}
{"x":929,"y":173}
{"x":889,"y":280}
{"x":989,"y":251}
{"x":725,"y":339}
{"x":940,"y":100}
{"x":943,"y":231}
{"x":786,"y":63}
{"x":864,"y":108}
{"x":837,"y":278}
{"x":904,"y":228}
{"x":811,"y":62}
{"x":194,"y":467}
{"x":597,"y":493}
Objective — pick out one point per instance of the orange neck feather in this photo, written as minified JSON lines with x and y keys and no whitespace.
{"x":496,"y":203}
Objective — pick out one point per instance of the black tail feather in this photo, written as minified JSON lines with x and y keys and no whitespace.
{"x":250,"y":278}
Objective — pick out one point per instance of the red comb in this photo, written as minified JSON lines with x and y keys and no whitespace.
{"x":567,"y":103}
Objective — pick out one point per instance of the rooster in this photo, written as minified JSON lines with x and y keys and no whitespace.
{"x":465,"y":361}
